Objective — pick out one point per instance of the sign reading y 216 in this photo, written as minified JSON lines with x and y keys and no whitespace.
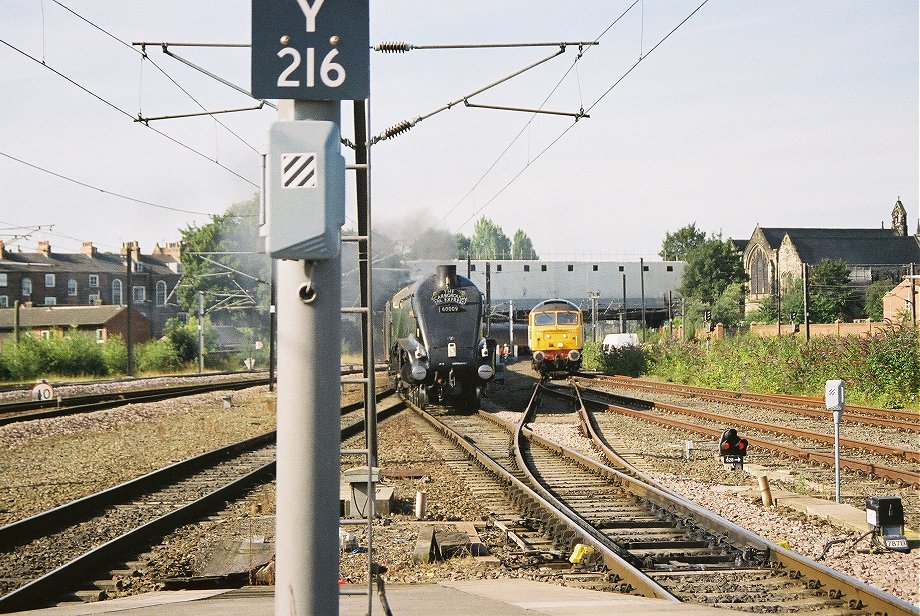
{"x":311,"y":49}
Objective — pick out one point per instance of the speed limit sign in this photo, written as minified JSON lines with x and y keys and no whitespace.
{"x":42,"y":391}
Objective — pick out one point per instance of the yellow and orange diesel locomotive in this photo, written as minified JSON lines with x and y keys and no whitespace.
{"x":554,"y":334}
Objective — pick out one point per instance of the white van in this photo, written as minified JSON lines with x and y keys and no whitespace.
{"x":616,"y":341}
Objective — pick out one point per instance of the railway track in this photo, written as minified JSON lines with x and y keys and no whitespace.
{"x":51,"y":553}
{"x":712,"y":424}
{"x":650,"y":541}
{"x":801,"y":405}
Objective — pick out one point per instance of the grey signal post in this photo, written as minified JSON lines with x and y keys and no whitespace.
{"x":834,"y":401}
{"x":310,"y":54}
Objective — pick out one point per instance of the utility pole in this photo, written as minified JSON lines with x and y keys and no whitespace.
{"x":805,"y":301}
{"x":510,"y":326}
{"x":200,"y":332}
{"x":488,"y":311}
{"x":129,"y":338}
{"x":594,"y":295}
{"x":623,"y":310}
{"x":309,"y":56}
{"x":642,"y":291}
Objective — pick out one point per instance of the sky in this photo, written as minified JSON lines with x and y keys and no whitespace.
{"x":783,"y":114}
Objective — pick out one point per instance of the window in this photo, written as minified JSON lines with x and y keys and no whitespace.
{"x":50,"y":301}
{"x":116,"y":292}
{"x":27,"y":286}
{"x":2,"y":280}
{"x":567,"y":318}
{"x":593,"y":268}
{"x":645,"y":268}
{"x":571,"y":268}
{"x":161,"y":293}
{"x":100,"y":335}
{"x":544,"y":318}
{"x":4,"y":301}
{"x":472,"y":267}
{"x":526,"y":268}
{"x":760,"y":273}
{"x":542,"y":268}
{"x":93,"y":298}
{"x":498,"y":268}
{"x":94,"y":281}
{"x":45,"y":334}
{"x":670,"y":268}
{"x":620,"y":268}
{"x":72,"y":287}
{"x":49,"y":280}
{"x":138,"y":294}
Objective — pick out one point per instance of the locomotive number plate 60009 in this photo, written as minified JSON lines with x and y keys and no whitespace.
{"x":450,"y":308}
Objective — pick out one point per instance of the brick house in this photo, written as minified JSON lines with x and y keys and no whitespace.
{"x":93,"y":278}
{"x":99,"y":321}
{"x":872,"y":254}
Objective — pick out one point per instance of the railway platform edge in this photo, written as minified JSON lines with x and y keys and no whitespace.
{"x":499,"y":597}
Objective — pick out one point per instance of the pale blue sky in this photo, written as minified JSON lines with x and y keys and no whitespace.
{"x":784,"y":113}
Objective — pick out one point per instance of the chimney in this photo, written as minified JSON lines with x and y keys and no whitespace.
{"x":88,"y":249}
{"x":44,"y":247}
{"x":171,"y":249}
{"x":135,"y":249}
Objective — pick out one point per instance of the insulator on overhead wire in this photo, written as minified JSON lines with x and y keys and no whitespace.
{"x":397,"y":129}
{"x":393,"y":47}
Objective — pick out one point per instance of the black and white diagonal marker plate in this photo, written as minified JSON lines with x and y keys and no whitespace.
{"x":298,"y":170}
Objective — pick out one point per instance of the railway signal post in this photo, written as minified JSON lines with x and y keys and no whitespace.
{"x":310,"y":56}
{"x":834,"y":401}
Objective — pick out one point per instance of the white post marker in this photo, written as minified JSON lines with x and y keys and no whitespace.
{"x":834,"y":401}
{"x":42,"y":391}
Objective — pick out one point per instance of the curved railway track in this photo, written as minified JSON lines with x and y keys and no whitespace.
{"x":651,"y":541}
{"x":801,"y":405}
{"x":50,"y":553}
{"x":671,"y":415}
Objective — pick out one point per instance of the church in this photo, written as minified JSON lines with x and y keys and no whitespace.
{"x":777,"y":254}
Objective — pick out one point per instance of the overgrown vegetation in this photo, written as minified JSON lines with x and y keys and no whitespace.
{"x":78,"y":354}
{"x":881,"y":370}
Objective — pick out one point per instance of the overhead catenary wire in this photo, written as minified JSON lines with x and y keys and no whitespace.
{"x":125,"y":113}
{"x":102,"y":190}
{"x":144,"y":57}
{"x":574,"y":65}
{"x":590,"y":107}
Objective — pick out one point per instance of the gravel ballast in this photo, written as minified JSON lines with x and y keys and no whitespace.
{"x":52,"y":461}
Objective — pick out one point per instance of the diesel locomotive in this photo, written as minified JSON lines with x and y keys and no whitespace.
{"x":435,"y":349}
{"x":554,"y":334}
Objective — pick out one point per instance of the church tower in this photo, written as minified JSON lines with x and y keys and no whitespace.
{"x":899,"y":219}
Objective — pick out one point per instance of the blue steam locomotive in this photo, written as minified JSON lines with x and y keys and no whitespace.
{"x":435,"y":349}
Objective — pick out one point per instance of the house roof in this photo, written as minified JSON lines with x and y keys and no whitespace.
{"x":854,"y":246}
{"x":101,"y":262}
{"x":62,"y":316}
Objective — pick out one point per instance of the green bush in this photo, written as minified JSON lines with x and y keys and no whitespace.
{"x":157,"y":356}
{"x":883,"y":369}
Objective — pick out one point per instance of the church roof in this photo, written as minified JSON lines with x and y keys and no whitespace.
{"x":854,"y":246}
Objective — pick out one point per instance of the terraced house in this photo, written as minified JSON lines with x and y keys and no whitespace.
{"x":92,"y":278}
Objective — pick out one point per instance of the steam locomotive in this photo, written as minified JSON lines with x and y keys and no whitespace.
{"x":432,"y":335}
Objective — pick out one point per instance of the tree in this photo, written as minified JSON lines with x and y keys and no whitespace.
{"x":711,"y":267}
{"x":875,"y":295}
{"x":728,"y":309}
{"x":463,"y":246}
{"x":489,"y":241}
{"x":678,"y":245}
{"x":522,"y":247}
{"x":830,"y":294}
{"x":240,"y":276}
